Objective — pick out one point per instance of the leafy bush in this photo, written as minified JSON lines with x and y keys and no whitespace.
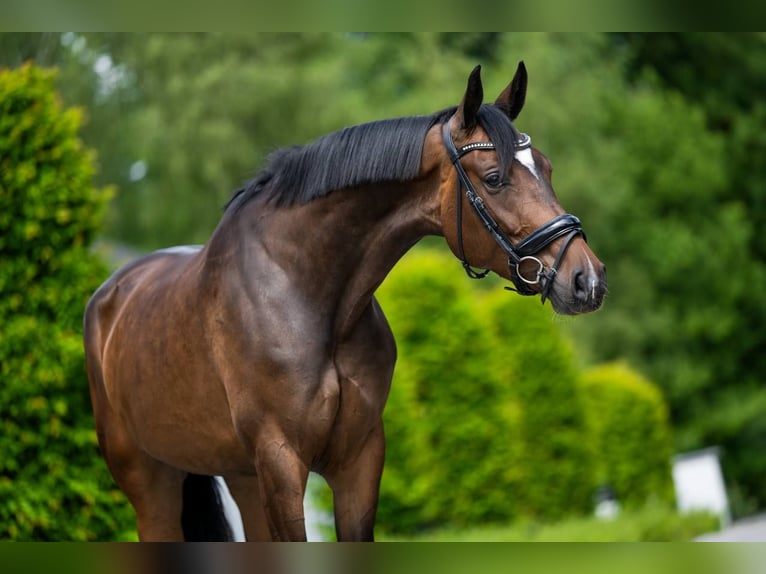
{"x":628,"y":427}
{"x":491,"y":421}
{"x":53,"y":484}
{"x":538,"y":364}
{"x":451,"y":423}
{"x":483,"y":423}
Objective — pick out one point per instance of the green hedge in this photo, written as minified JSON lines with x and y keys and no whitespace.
{"x":628,"y":427}
{"x":53,"y":483}
{"x":484,"y":423}
{"x":491,"y":421}
{"x":537,"y":363}
{"x":451,"y":423}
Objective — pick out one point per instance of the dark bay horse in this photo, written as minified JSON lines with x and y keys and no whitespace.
{"x":263,"y":355}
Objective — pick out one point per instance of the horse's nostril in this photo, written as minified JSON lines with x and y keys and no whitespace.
{"x":581,"y":286}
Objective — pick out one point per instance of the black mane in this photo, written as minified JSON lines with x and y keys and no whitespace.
{"x":380,"y":151}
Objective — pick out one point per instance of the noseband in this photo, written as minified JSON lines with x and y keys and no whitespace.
{"x":566,"y":225}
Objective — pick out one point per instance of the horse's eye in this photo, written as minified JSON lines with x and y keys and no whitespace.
{"x":493,"y":181}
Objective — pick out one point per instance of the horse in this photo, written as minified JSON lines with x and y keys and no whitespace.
{"x":263,"y":354}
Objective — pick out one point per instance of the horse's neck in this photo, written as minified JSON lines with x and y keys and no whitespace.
{"x":384,"y":235}
{"x":336,"y":250}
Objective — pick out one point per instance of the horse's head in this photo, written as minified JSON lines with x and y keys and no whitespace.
{"x":498,"y":208}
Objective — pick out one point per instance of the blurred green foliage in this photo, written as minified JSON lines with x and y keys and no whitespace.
{"x":628,"y":429}
{"x":53,"y":484}
{"x":532,"y":357}
{"x":488,"y":421}
{"x":453,"y":426}
{"x":716,"y":380}
{"x":651,"y":523}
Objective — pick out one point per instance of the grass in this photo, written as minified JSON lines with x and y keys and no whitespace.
{"x":652,"y":524}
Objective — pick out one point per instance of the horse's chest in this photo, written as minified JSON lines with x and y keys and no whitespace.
{"x":344,"y":402}
{"x":348,"y":411}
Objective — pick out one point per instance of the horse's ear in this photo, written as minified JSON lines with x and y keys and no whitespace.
{"x":511,"y":100}
{"x":468,"y":110}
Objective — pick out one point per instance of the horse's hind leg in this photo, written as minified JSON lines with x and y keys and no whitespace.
{"x":246,"y":493}
{"x":153,"y":488}
{"x":157,"y":497}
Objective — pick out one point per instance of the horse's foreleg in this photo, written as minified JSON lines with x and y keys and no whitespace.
{"x":355,"y":486}
{"x":282,"y":479}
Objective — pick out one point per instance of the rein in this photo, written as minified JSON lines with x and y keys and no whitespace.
{"x":566,"y":225}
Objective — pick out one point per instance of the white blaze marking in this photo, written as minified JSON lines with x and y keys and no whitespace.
{"x":525,"y":158}
{"x":593,"y":278}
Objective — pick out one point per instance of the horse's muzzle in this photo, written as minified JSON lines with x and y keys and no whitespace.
{"x":585,"y":292}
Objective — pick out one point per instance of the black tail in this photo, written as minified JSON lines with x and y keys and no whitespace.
{"x":202,"y":518}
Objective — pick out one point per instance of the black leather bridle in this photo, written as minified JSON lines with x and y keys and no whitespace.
{"x":566,"y":225}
